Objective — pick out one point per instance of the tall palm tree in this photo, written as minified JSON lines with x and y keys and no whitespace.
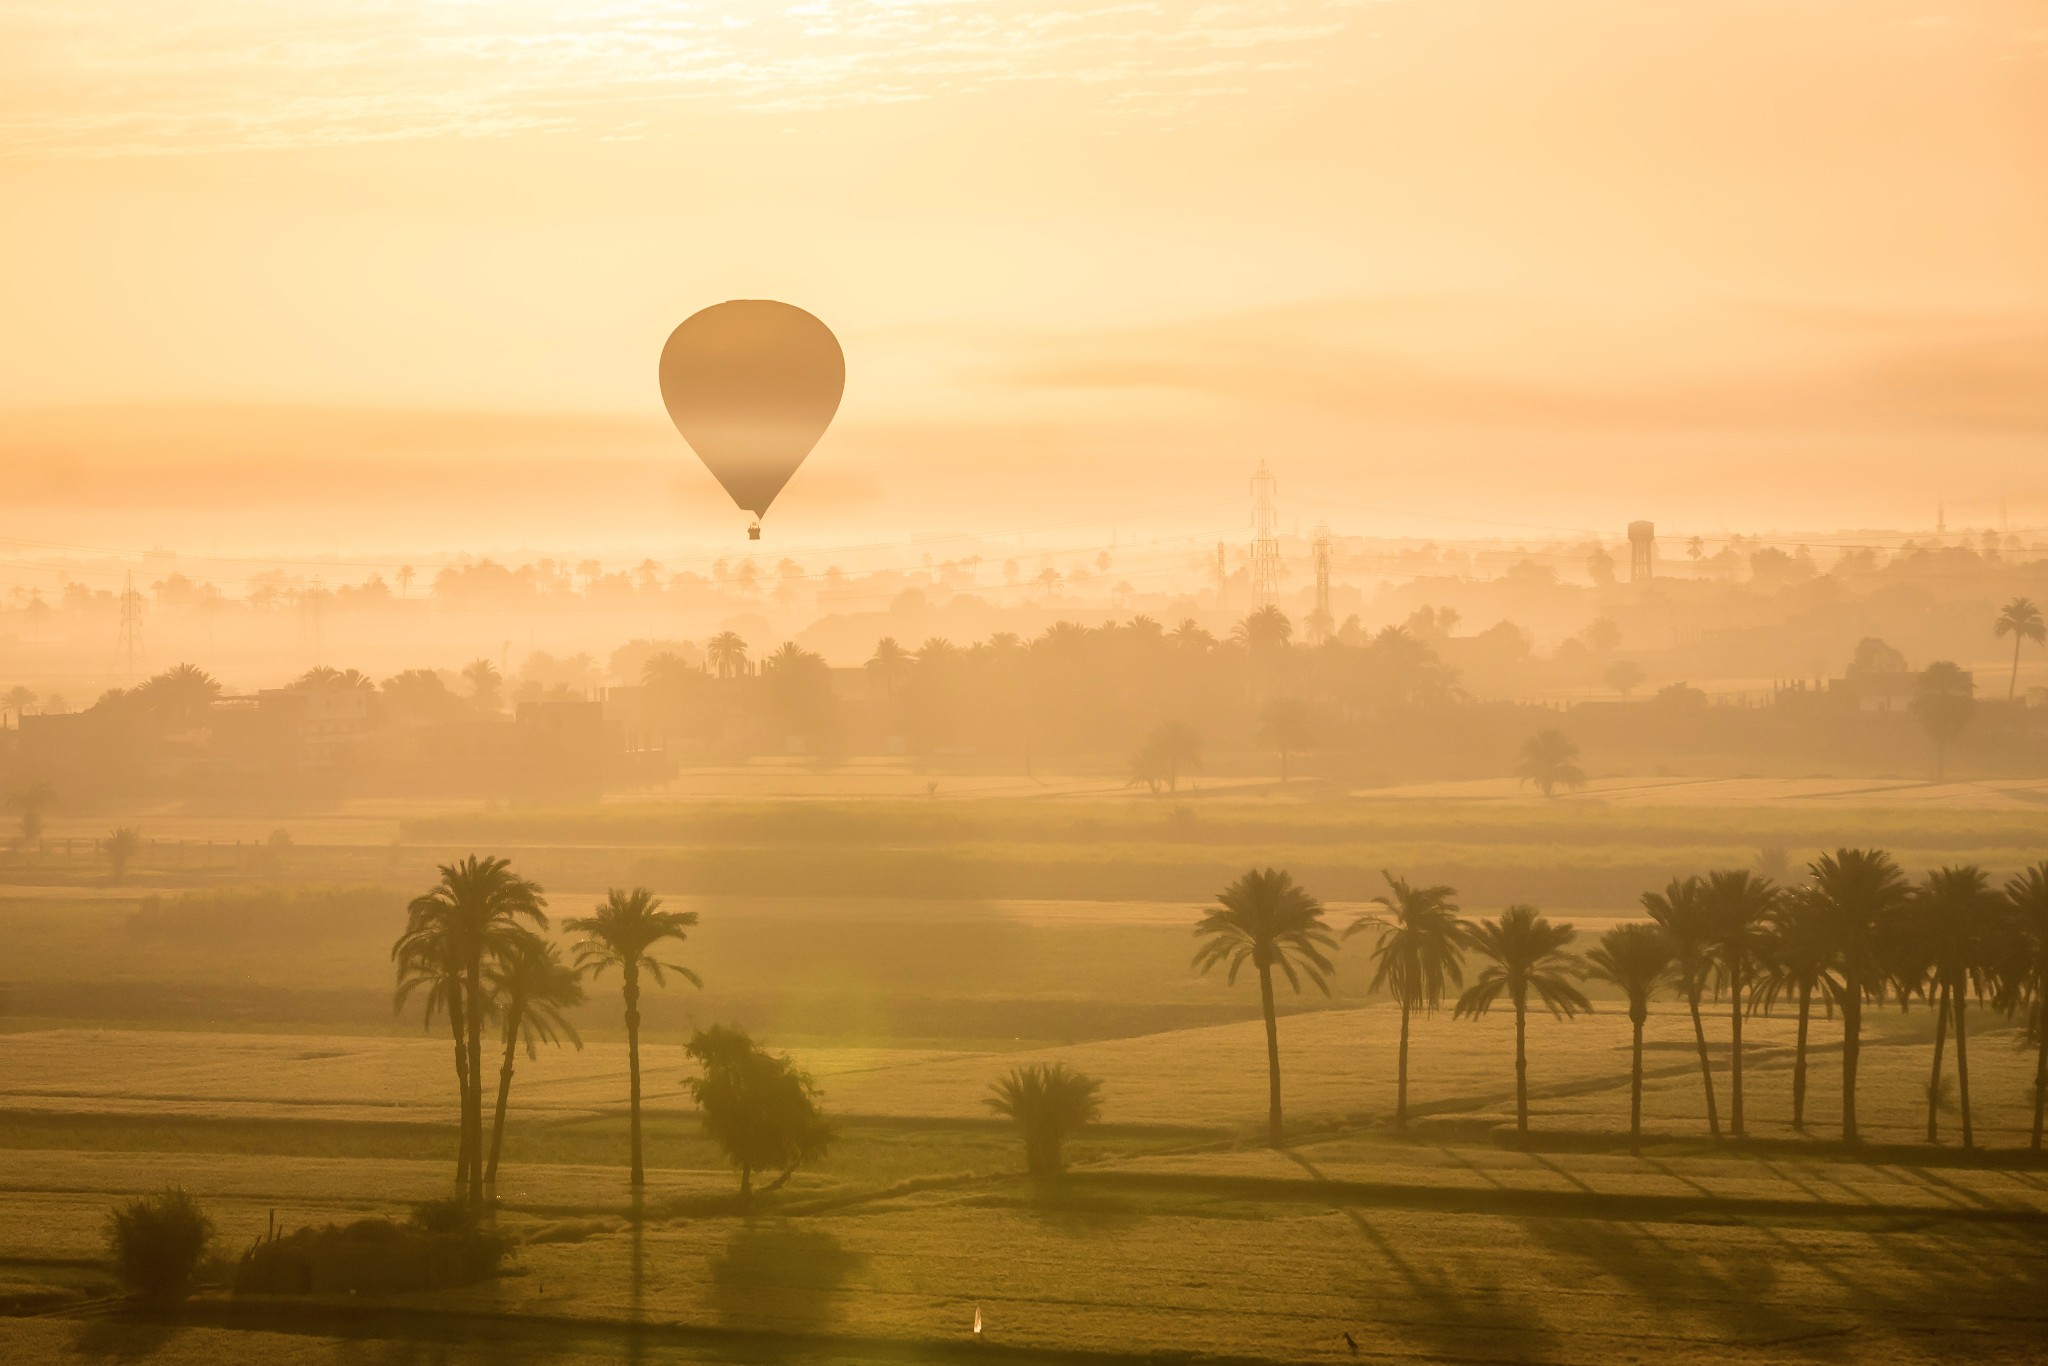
{"x":1957,"y":918}
{"x":727,"y":654}
{"x":1797,"y":960}
{"x":1943,"y":701}
{"x":1857,"y":897}
{"x":482,"y":907}
{"x":1680,"y":910}
{"x":1267,"y":920}
{"x":1528,"y":957}
{"x":1550,"y":760}
{"x":2027,"y":984}
{"x":1286,"y":726}
{"x":426,"y":957}
{"x":889,"y":663}
{"x":619,"y":934}
{"x":2021,"y":620}
{"x":484,"y":683}
{"x":1637,"y":959}
{"x":1739,"y":905}
{"x":1266,"y":629}
{"x":532,"y":987}
{"x":1418,"y":951}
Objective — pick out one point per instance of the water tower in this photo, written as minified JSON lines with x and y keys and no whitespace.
{"x":1642,"y":551}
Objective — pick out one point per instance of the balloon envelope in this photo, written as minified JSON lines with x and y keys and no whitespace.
{"x":752,"y":384}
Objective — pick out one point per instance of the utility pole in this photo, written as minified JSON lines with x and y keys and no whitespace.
{"x":1265,"y":539}
{"x":131,"y":624}
{"x":1321,"y":622}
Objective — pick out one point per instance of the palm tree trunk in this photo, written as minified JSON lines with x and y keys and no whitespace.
{"x":1401,"y":1084}
{"x":2040,"y":1063}
{"x":456,"y":1015}
{"x":1521,"y":1068}
{"x":1735,"y":1046}
{"x":1636,"y":1016}
{"x":1852,"y":1049}
{"x":473,"y":1118}
{"x":1699,"y":1036}
{"x":1934,"y":1077}
{"x":504,"y":1093}
{"x":1272,"y":1056}
{"x":632,"y":973}
{"x":1958,"y":1002}
{"x":2012,"y":688}
{"x":1799,"y":1058}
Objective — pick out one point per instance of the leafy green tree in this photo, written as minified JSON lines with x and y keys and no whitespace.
{"x":1266,"y":919}
{"x":1048,"y":1104}
{"x":1637,"y":959}
{"x":32,"y":801}
{"x":1739,"y":906}
{"x":1797,"y":960}
{"x":2021,"y":620}
{"x":480,"y":908}
{"x":2027,"y":979}
{"x":1417,"y":953}
{"x":1286,"y":726}
{"x":122,"y":846}
{"x":1526,"y":956}
{"x":1943,"y":702}
{"x":532,"y":987}
{"x":1550,"y":761}
{"x":1858,"y":897}
{"x":1681,"y":911}
{"x":759,"y":1107}
{"x":620,"y":933}
{"x":1171,"y":748}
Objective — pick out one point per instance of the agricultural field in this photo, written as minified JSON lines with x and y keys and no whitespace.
{"x":233,"y":1033}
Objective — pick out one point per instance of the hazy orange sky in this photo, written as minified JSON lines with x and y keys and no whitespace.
{"x":276,"y":270}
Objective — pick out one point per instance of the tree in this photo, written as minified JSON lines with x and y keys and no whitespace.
{"x":1955,"y":921}
{"x":532,"y":987}
{"x":1550,"y":760}
{"x":1797,"y":960}
{"x":32,"y":801}
{"x":484,"y":684}
{"x":427,"y":957}
{"x":619,"y":934}
{"x":1286,"y":725}
{"x":1266,"y":629}
{"x":18,"y":699}
{"x":1417,"y":952}
{"x":2021,"y":620}
{"x":1739,"y":905}
{"x":1943,"y":702}
{"x":1624,"y":676}
{"x":1527,"y":954}
{"x":2027,"y":981}
{"x":1048,"y":1104}
{"x":122,"y":846}
{"x":1637,"y":960}
{"x":1265,"y":919}
{"x":479,"y":910}
{"x":1171,"y":747}
{"x":759,"y":1107}
{"x":727,"y":654}
{"x":889,"y":663}
{"x":158,"y":1242}
{"x":1680,"y":910}
{"x":1857,"y":896}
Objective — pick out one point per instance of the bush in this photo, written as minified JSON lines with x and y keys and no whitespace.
{"x":158,"y":1241}
{"x":371,"y":1257}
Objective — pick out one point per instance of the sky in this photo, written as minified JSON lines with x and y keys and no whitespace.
{"x":293,"y":273}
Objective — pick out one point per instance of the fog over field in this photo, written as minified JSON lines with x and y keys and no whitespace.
{"x":1253,"y":683}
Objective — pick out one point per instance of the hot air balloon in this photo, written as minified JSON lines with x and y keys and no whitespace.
{"x":752,"y":384}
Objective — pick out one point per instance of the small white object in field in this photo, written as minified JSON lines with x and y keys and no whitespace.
{"x":977,"y":1320}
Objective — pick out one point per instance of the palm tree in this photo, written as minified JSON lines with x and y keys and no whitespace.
{"x":1797,"y":960}
{"x":484,"y":682}
{"x":532,"y":987}
{"x":1267,"y":920}
{"x":727,"y":654}
{"x":1191,"y":636}
{"x":1956,"y":923}
{"x":426,"y":956}
{"x":889,"y":663}
{"x":1047,"y":1104}
{"x":31,"y":802}
{"x":1942,"y":700}
{"x":1528,"y":956}
{"x":1637,"y":959}
{"x":1857,"y":896}
{"x":2027,"y":895}
{"x":1550,"y":760}
{"x":1739,"y":905}
{"x":1680,"y":910}
{"x":1266,"y":629}
{"x":619,"y":934}
{"x":1417,"y":952}
{"x":124,"y":844}
{"x":482,"y":907}
{"x":2021,"y":620}
{"x":1286,"y":725}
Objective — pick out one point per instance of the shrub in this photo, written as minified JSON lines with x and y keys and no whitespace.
{"x":157,"y":1242}
{"x":1047,"y":1104}
{"x":371,"y":1257}
{"x":759,"y":1107}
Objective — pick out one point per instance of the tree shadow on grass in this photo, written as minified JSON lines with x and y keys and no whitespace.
{"x":780,"y":1275}
{"x":123,"y":1337}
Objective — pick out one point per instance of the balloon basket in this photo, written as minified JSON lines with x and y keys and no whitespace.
{"x":754,"y":531}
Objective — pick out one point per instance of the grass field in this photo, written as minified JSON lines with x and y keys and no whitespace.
{"x":251,"y":1055}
